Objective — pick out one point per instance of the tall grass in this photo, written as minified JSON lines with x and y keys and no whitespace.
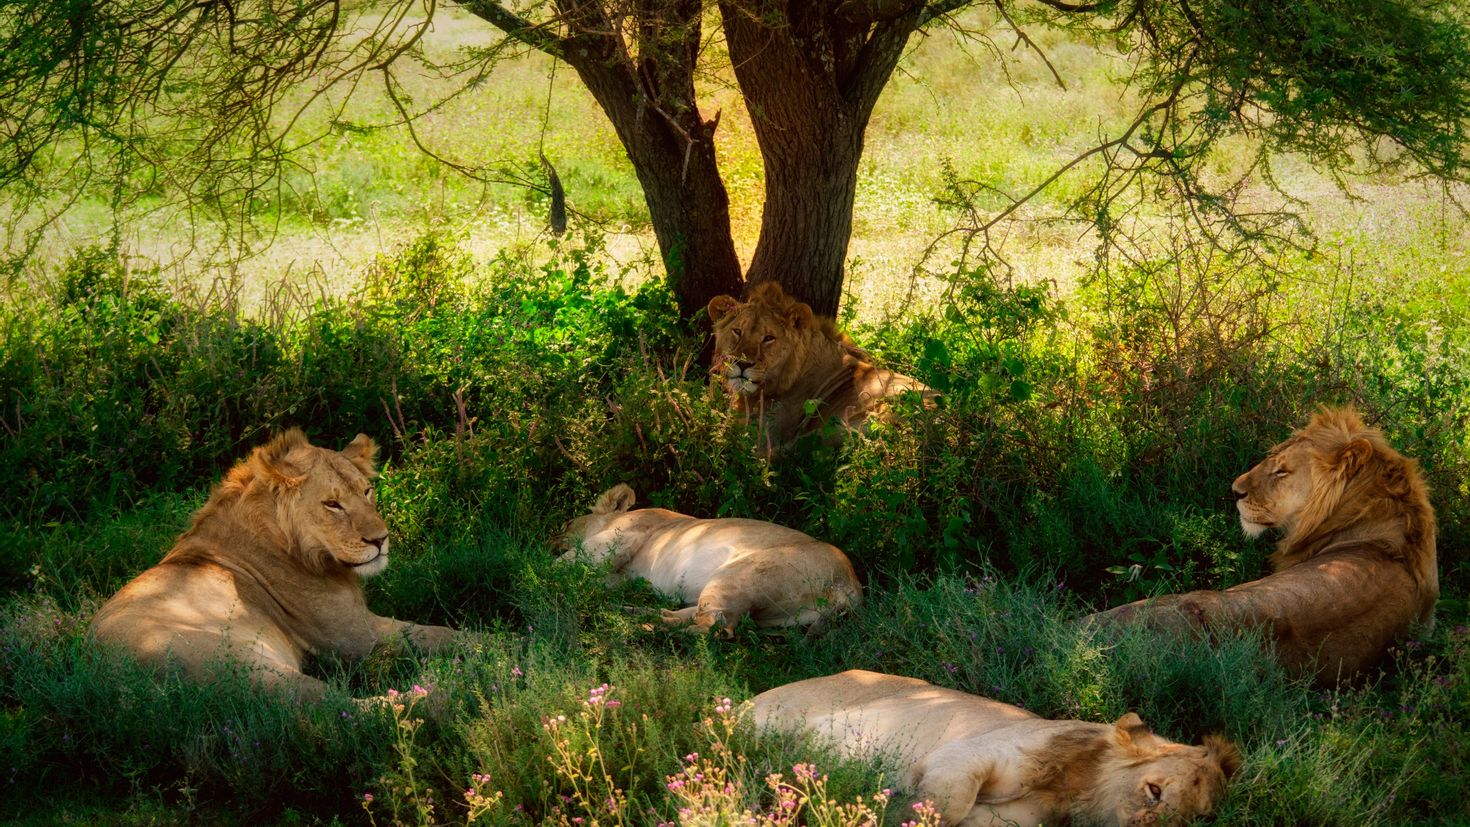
{"x":1081,"y":455}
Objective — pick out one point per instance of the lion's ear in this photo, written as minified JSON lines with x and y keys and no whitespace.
{"x":272,"y":464}
{"x":362,"y":451}
{"x":800,"y":315}
{"x":719,"y":306}
{"x":616,"y":499}
{"x":1130,"y":730}
{"x":1354,"y":455}
{"x":1224,"y":753}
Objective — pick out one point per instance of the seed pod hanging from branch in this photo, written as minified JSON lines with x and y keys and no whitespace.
{"x":558,"y":218}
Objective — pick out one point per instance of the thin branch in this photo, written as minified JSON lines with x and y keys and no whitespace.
{"x":1021,"y":33}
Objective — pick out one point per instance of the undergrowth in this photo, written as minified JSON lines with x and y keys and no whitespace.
{"x":1082,"y":454}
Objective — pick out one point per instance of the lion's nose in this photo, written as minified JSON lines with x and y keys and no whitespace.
{"x":743,"y":363}
{"x":376,"y":542}
{"x":1239,"y":495}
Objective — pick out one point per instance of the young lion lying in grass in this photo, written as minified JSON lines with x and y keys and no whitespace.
{"x":983,"y":762}
{"x":269,"y":571}
{"x":791,"y":371}
{"x":723,"y":569}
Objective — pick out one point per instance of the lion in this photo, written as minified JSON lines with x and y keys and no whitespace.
{"x":1355,"y":566}
{"x":721,"y":569}
{"x":791,"y":371}
{"x":983,"y":762}
{"x":268,"y":572}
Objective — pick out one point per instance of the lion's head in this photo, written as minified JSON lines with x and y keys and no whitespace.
{"x":611,"y":504}
{"x":317,"y":502}
{"x":1337,"y":479}
{"x":1145,"y":779}
{"x":763,"y":345}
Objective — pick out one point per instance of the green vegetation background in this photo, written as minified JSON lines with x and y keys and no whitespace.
{"x":1082,"y":457}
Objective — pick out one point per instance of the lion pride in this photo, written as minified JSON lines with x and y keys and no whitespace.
{"x":1355,"y":567}
{"x":791,"y":371}
{"x":268,"y":571}
{"x":722,"y":569}
{"x":983,"y":762}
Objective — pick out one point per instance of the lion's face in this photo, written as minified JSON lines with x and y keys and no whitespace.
{"x":339,"y":515}
{"x":325,"y":500}
{"x":760,"y":344}
{"x":1179,"y":786}
{"x":1277,"y":490}
{"x":1160,"y":781}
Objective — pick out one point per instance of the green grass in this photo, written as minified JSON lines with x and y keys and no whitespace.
{"x":1081,"y":457}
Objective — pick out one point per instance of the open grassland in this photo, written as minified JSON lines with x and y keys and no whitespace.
{"x":985,"y":106}
{"x":1082,"y":457}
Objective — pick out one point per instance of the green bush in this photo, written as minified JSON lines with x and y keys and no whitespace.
{"x":1081,"y":454}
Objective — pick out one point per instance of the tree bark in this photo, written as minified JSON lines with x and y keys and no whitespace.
{"x":640,"y":69}
{"x":645,"y":84}
{"x":810,"y":74}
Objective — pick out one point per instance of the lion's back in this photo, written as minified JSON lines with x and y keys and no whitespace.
{"x":171,"y":607}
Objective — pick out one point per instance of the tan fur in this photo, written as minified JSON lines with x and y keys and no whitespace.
{"x":268,"y":571}
{"x":1355,"y":567}
{"x":774,"y":356}
{"x":721,"y":569}
{"x":983,"y":762}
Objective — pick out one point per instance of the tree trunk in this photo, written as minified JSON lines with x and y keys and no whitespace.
{"x":650,"y":101}
{"x":810,"y":77}
{"x":810,"y":71}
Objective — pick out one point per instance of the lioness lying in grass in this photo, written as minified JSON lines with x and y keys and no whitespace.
{"x":983,"y":762}
{"x":722,"y":569}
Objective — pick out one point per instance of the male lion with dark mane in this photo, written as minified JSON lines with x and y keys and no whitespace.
{"x":983,"y":762}
{"x":1355,"y":567}
{"x":268,"y":572}
{"x":791,"y":371}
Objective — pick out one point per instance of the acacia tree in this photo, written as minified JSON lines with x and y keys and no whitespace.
{"x":192,"y":88}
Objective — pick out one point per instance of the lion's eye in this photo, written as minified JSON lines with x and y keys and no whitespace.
{"x":1280,"y":472}
{"x":1153,"y":790}
{"x":332,"y":505}
{"x":368,"y":493}
{"x":736,"y":331}
{"x":769,"y":339}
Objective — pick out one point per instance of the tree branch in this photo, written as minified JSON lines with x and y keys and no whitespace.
{"x":532,"y":34}
{"x":940,"y":8}
{"x":868,"y":12}
{"x":1075,"y":7}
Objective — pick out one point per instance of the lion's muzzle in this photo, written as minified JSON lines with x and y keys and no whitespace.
{"x":742,"y":375}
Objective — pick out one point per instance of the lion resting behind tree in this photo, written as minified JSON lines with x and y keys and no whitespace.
{"x":791,"y":371}
{"x":983,"y":762}
{"x":1356,"y":565}
{"x":268,"y":572}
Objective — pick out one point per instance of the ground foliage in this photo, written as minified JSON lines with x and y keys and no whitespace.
{"x":1082,"y":455}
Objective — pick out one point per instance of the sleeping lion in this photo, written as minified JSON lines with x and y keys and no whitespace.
{"x":722,"y":569}
{"x":1355,"y":567}
{"x":791,"y":371}
{"x":269,"y":571}
{"x":983,"y":762}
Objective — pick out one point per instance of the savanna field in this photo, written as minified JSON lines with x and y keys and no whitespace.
{"x":1092,"y":420}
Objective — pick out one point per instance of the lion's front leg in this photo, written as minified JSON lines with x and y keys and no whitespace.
{"x":426,"y":639}
{"x":1189,"y":613}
